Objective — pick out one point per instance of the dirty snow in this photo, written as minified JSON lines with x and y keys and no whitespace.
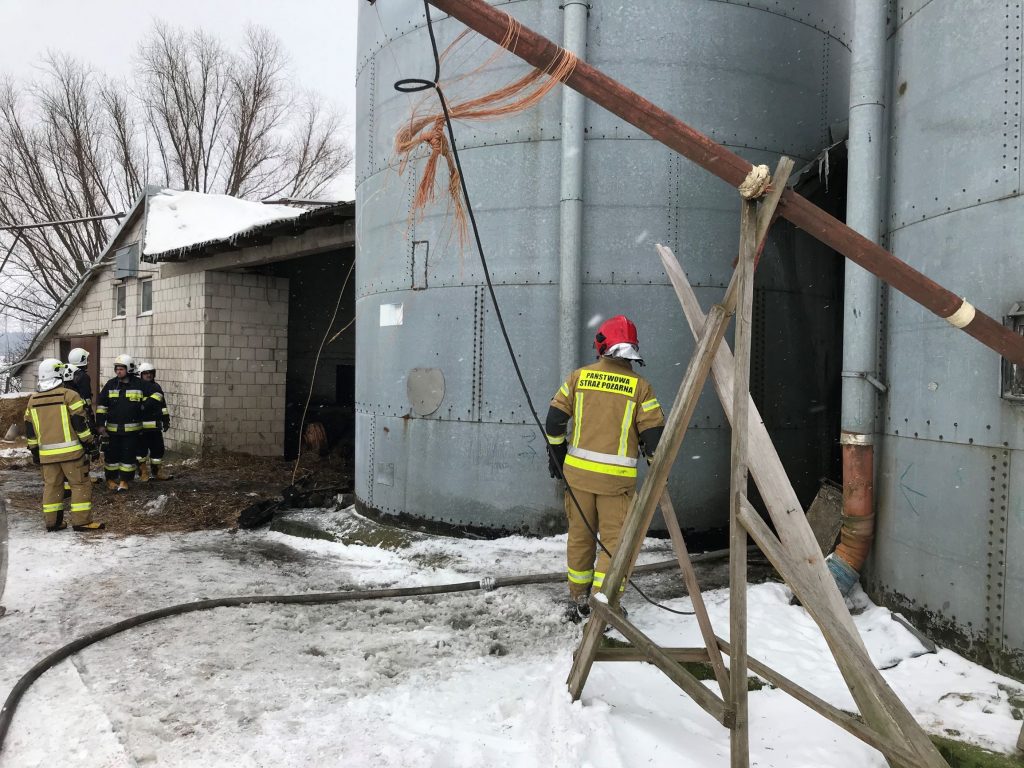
{"x":15,"y":453}
{"x":468,"y":679}
{"x":180,"y":219}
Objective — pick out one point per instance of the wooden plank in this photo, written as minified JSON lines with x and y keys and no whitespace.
{"x":641,"y":509}
{"x":878,"y":704}
{"x":1020,"y":739}
{"x":700,"y":610}
{"x":685,"y":655}
{"x":541,"y":53}
{"x":697,"y":691}
{"x":852,"y":725}
{"x":739,"y":737}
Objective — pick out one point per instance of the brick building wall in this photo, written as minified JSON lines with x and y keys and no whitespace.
{"x":246,"y":361}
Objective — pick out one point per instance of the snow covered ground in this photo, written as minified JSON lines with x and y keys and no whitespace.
{"x":470,"y":679}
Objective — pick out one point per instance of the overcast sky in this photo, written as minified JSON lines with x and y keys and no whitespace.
{"x":319,"y":35}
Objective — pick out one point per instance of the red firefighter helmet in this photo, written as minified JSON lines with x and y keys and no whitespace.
{"x":615,"y":330}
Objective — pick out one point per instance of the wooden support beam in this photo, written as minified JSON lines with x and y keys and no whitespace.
{"x":541,"y":53}
{"x":737,"y":697}
{"x":641,"y":509}
{"x":880,"y":707}
{"x":681,"y":655}
{"x":852,"y":725}
{"x":694,"y":688}
{"x":700,"y":610}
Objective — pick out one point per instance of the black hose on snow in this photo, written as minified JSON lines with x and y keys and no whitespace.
{"x":313,"y":598}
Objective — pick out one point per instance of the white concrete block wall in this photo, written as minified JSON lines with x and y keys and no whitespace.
{"x":246,"y":362}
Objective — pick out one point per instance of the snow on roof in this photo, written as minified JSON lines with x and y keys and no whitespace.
{"x":181,"y":219}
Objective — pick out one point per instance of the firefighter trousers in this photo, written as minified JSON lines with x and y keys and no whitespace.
{"x":151,"y":447}
{"x":119,"y":457}
{"x":53,"y":491}
{"x":605,"y":515}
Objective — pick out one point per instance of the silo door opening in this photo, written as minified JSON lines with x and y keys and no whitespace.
{"x":323,"y":376}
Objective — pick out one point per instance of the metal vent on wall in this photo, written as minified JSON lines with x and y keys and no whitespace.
{"x":1011,"y":385}
{"x":126,"y":261}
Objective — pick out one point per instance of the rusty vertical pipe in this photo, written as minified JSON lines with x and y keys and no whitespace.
{"x":540,"y":52}
{"x":858,"y":529}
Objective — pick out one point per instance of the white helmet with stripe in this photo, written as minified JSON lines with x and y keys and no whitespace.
{"x":125,"y":361}
{"x":51,"y":374}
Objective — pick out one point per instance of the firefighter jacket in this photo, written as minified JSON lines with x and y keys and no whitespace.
{"x":82,"y":384}
{"x":610,"y":406}
{"x":154,"y":407}
{"x":119,"y":407}
{"x":56,"y":427}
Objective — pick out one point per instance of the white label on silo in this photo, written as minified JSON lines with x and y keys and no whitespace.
{"x":390,"y":314}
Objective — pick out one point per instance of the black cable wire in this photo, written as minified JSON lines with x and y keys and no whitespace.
{"x":414,"y":85}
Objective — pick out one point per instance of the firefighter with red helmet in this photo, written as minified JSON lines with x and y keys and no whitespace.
{"x":614,"y":414}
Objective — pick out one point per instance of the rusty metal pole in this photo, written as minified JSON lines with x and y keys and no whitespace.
{"x":540,"y":52}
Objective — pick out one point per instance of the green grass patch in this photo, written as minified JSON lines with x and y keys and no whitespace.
{"x":959,"y":754}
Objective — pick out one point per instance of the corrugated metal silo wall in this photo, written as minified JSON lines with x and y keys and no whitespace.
{"x":950,"y":542}
{"x":762,"y":78}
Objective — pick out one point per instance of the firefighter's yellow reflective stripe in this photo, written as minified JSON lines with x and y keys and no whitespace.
{"x":627,"y":422}
{"x":55,"y":507}
{"x":604,"y":458}
{"x":127,"y":467}
{"x":577,"y":419}
{"x":604,"y":469}
{"x":556,"y":439}
{"x":650,"y":405}
{"x":164,"y":412}
{"x":83,"y":436}
{"x":156,"y":461}
{"x":112,"y":467}
{"x":65,"y":422}
{"x":132,"y":427}
{"x":564,"y":389}
{"x":580,"y":577}
{"x":35,"y":424}
{"x":32,"y":442}
{"x":599,"y":581}
{"x":44,"y":451}
{"x":133,"y":394}
{"x":149,"y":425}
{"x":77,"y":405}
{"x":604,"y":381}
{"x":156,"y":396}
{"x":101,"y":409}
{"x":114,"y":393}
{"x":81,"y":506}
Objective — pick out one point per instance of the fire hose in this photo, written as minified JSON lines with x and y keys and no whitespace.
{"x":313,"y":598}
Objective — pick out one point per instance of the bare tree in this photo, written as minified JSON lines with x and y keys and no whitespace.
{"x":194,"y":116}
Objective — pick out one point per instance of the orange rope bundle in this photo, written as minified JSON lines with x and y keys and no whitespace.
{"x":517,"y":96}
{"x":315,"y":436}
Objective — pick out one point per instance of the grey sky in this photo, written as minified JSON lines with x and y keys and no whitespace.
{"x":319,"y":35}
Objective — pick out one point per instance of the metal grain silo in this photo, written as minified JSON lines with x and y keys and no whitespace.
{"x":443,"y":432}
{"x":950,"y":542}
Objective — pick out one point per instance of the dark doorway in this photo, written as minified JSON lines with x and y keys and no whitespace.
{"x":90,"y":344}
{"x":320,"y":371}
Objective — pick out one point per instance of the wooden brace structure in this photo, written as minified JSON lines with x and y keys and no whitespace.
{"x":885,"y":723}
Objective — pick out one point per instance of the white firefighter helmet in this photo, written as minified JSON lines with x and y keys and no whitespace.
{"x":147,"y":366}
{"x":51,"y":374}
{"x":126,"y":361}
{"x":77,"y":358}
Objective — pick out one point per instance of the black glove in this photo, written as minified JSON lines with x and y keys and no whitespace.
{"x":93,"y":451}
{"x":556,"y":458}
{"x":35,"y":455}
{"x":165,"y":426}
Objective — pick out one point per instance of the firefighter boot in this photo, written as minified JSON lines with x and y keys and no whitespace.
{"x":157,"y":473}
{"x":93,"y":526}
{"x":122,"y":487}
{"x":59,"y":524}
{"x":144,"y":471}
{"x":578,"y":608}
{"x":111,"y":485}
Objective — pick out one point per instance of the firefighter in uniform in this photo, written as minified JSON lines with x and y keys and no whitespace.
{"x":156,"y":420}
{"x":614,"y":413}
{"x":76,"y":378}
{"x":119,"y":416}
{"x":59,"y":437}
